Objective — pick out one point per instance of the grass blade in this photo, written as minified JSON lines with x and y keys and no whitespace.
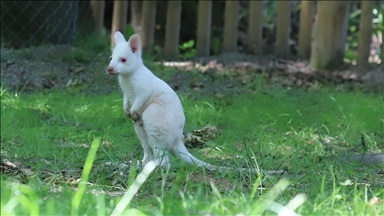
{"x":126,"y":199}
{"x":100,"y":204}
{"x":30,"y":201}
{"x":264,"y":203}
{"x":84,"y":176}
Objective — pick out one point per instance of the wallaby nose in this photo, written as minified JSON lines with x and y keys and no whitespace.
{"x":109,"y":69}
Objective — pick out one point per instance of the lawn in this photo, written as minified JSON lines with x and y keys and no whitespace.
{"x":67,"y":151}
{"x":49,"y":134}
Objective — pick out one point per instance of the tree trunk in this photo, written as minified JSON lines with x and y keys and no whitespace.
{"x":136,"y":11}
{"x":255,"y":30}
{"x":230,"y":26}
{"x":98,"y":15}
{"x":119,"y":19}
{"x":283,"y":28}
{"x":365,"y":32}
{"x":203,"y":28}
{"x":305,"y":31}
{"x":172,"y":30}
{"x":330,"y":34}
{"x":148,"y":25}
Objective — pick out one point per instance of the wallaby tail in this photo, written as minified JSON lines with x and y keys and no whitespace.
{"x":182,"y":152}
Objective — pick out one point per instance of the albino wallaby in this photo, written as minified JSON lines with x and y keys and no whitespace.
{"x":155,"y":108}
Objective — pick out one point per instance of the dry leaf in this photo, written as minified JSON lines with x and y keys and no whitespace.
{"x":375,"y":201}
{"x":78,"y":70}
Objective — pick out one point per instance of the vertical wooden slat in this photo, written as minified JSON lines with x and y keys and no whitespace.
{"x":283,"y":28}
{"x":172,"y":30}
{"x":136,"y":15}
{"x":203,"y":28}
{"x":328,"y":45}
{"x":119,"y":18}
{"x":255,"y":30}
{"x":98,"y":15}
{"x":305,"y":31}
{"x":230,"y":26}
{"x":148,"y":25}
{"x":365,"y":32}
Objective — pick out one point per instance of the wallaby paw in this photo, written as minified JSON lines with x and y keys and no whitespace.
{"x":134,"y":116}
{"x":127,"y":113}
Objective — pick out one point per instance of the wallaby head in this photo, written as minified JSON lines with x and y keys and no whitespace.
{"x":126,"y":55}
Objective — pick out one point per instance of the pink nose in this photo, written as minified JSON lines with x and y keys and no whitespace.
{"x":109,"y":69}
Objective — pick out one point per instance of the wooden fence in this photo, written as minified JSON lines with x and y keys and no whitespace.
{"x":322,"y":36}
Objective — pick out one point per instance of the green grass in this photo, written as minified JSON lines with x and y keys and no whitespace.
{"x":61,"y":142}
{"x":50,"y":134}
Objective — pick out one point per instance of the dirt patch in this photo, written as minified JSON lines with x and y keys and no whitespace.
{"x":52,"y":67}
{"x":63,"y":68}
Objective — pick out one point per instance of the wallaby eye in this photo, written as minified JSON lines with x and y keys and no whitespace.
{"x":123,"y":60}
{"x":110,"y":58}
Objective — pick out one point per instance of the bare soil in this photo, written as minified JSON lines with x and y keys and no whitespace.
{"x":58,"y":68}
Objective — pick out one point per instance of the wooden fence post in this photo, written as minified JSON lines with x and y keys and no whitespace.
{"x":172,"y":30}
{"x":328,"y":45}
{"x":283,"y":28}
{"x":230,"y":26}
{"x":98,"y":15}
{"x":136,"y":15}
{"x":365,"y":32}
{"x":305,"y":31}
{"x":119,"y":18}
{"x":148,"y":25}
{"x":203,"y":28}
{"x":255,"y":29}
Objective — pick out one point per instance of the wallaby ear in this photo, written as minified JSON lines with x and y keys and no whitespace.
{"x":135,"y":43}
{"x":119,"y":37}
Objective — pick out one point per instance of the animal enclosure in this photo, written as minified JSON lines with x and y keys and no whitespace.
{"x":322,"y":31}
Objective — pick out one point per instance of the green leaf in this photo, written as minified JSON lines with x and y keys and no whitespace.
{"x":129,"y":30}
{"x":133,"y":211}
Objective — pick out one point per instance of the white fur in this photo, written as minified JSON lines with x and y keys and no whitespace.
{"x":158,"y":111}
{"x":152,"y":104}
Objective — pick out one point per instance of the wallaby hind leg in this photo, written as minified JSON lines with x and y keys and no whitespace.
{"x":156,"y":123}
{"x":159,"y":152}
{"x":143,"y":137}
